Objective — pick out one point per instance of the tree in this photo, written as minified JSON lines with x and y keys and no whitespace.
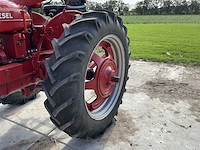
{"x":110,"y":5}
{"x":126,"y":10}
{"x":194,"y":7}
{"x":139,"y":8}
{"x":91,"y":5}
{"x":118,"y":6}
{"x":168,"y":7}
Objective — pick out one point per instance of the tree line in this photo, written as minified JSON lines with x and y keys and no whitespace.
{"x":157,"y":7}
{"x":145,"y":7}
{"x":117,"y":6}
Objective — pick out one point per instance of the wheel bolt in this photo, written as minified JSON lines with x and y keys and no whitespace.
{"x":115,"y":79}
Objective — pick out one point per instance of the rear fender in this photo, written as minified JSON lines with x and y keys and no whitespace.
{"x":54,"y":27}
{"x":27,"y":2}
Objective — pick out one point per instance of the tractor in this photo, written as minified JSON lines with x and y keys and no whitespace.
{"x":79,"y":59}
{"x":52,"y":10}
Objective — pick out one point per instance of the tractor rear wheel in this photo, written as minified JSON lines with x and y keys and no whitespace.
{"x":87,"y":74}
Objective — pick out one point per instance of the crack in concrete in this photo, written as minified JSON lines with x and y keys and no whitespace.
{"x":45,"y":135}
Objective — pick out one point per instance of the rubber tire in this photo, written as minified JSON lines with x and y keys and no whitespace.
{"x":51,"y":14}
{"x":18,"y":99}
{"x":65,"y":85}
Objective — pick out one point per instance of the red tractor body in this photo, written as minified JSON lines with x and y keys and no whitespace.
{"x":12,"y":17}
{"x":25,"y":42}
{"x":27,"y":2}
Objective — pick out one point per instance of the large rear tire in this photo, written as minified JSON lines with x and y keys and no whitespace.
{"x":87,"y":74}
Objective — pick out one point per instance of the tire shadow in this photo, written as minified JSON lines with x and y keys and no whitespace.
{"x":119,"y":132}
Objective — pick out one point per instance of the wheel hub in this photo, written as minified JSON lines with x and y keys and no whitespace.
{"x":106,"y":83}
{"x":102,"y":76}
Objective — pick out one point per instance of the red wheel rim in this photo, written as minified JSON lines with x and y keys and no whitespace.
{"x":102,"y":75}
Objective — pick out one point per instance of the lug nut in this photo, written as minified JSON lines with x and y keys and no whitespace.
{"x":115,"y":79}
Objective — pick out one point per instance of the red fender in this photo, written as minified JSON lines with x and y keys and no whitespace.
{"x":27,"y":2}
{"x":54,"y":27}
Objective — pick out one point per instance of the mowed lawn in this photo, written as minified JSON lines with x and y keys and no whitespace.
{"x":161,"y":19}
{"x":172,"y":43}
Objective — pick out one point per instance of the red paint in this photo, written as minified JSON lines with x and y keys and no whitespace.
{"x":16,"y":47}
{"x":38,"y":19}
{"x":3,"y":56}
{"x":10,"y":72}
{"x":17,"y":18}
{"x":27,"y":2}
{"x":54,"y":27}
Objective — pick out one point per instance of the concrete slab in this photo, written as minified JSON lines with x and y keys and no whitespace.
{"x":32,"y":115}
{"x":27,"y":127}
{"x":13,"y":136}
{"x":160,"y":110}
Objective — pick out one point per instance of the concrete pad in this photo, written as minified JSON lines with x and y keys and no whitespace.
{"x":13,"y":136}
{"x":27,"y":126}
{"x":160,"y":110}
{"x":32,"y":115}
{"x":160,"y":126}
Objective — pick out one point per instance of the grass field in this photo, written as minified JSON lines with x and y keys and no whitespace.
{"x":161,"y":19}
{"x":169,"y":42}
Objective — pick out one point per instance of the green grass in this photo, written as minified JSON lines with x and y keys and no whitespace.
{"x":175,"y":43}
{"x":161,"y":19}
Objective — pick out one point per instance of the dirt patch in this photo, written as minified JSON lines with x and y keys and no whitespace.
{"x":171,"y":91}
{"x":19,"y":145}
{"x":44,"y":144}
{"x":132,"y":90}
{"x":122,"y":128}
